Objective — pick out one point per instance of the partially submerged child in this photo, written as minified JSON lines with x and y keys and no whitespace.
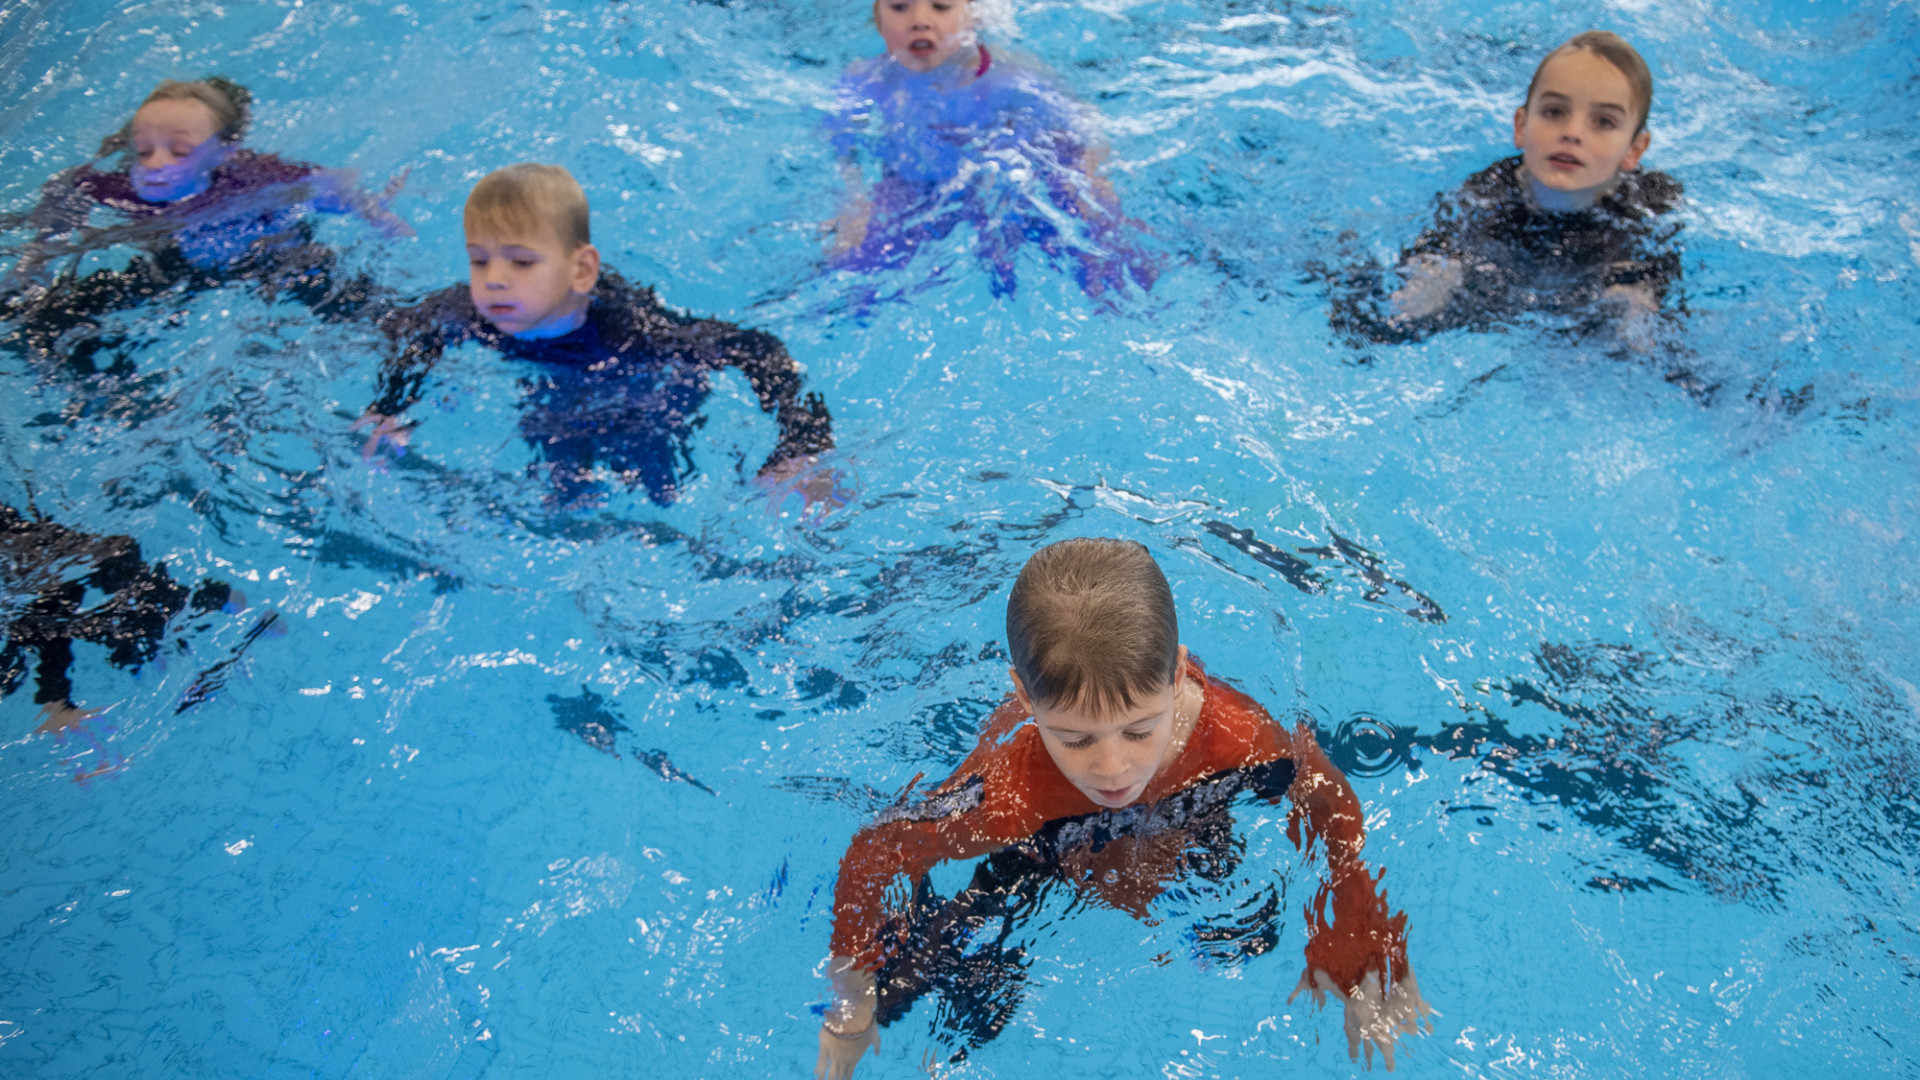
{"x":1111,"y":732}
{"x":206,"y":210}
{"x":959,"y":133}
{"x":1570,"y":226}
{"x":615,"y":378}
{"x":55,"y":569}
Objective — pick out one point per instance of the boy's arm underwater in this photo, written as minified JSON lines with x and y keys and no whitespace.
{"x":420,"y":334}
{"x":806,"y":427}
{"x":1361,"y":955}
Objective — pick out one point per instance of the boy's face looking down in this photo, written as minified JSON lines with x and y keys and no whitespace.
{"x":1577,"y":129}
{"x":923,"y":34}
{"x":529,"y":284}
{"x":1112,"y":757}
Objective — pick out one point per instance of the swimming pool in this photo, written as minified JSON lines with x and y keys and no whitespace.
{"x":1622,"y":675}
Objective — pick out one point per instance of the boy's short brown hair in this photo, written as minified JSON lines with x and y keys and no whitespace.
{"x":1091,"y":625}
{"x":523,"y":199}
{"x":1614,"y":49}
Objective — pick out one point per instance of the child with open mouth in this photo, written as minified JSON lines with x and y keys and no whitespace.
{"x":958,"y":133}
{"x":1570,"y":225}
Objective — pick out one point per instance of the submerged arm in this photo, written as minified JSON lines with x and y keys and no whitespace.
{"x":806,"y":427}
{"x":878,"y":854}
{"x":1360,"y":955}
{"x":960,"y":819}
{"x":335,"y":192}
{"x":849,"y":226}
{"x":421,"y":337}
{"x":64,"y":206}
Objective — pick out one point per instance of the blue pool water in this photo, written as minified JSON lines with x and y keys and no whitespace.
{"x":1623,"y":673}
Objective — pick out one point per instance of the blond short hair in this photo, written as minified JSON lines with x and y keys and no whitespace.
{"x":1091,"y":625}
{"x":1614,"y":49}
{"x":527,"y":198}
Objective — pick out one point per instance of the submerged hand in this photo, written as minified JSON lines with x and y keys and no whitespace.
{"x":387,"y":223}
{"x":58,"y":716}
{"x":821,"y":487}
{"x":381,"y":215}
{"x":849,"y":228}
{"x":840,"y":1053}
{"x":390,"y":430}
{"x":1431,"y":281}
{"x":1639,"y":316}
{"x":1373,"y":1019}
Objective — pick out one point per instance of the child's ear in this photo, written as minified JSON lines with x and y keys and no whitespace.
{"x":1632,"y":160}
{"x":1020,"y":692}
{"x":1520,"y":128}
{"x":586,"y":269}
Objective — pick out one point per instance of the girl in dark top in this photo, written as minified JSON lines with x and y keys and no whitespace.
{"x":206,"y":210}
{"x":1570,"y":226}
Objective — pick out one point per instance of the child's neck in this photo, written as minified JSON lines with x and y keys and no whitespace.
{"x":561,"y":324}
{"x":1556,"y":201}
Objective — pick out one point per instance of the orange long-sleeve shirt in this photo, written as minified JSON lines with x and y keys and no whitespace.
{"x":1009,"y":787}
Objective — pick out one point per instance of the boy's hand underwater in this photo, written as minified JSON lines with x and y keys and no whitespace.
{"x":840,"y":1053}
{"x":1373,"y":1019}
{"x":850,"y":1025}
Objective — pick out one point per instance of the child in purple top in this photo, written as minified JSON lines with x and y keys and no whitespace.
{"x":206,"y":210}
{"x":958,"y":133}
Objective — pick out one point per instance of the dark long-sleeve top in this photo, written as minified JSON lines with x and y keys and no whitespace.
{"x":50,"y":569}
{"x":1515,"y":251}
{"x":635,"y":372}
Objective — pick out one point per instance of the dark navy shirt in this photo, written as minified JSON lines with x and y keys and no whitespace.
{"x":621,"y":391}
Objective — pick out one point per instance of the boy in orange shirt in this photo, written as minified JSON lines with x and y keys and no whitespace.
{"x":1112,"y":734}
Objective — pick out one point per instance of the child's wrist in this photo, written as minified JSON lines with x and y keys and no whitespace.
{"x":848,"y":1032}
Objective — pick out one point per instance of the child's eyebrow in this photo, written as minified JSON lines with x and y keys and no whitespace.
{"x":1076,"y":733}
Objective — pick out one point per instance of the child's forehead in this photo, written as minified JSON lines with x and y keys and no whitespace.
{"x":1582,"y":70}
{"x":545,"y":239}
{"x":174,"y":113}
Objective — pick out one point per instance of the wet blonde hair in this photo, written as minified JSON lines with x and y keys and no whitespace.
{"x":1091,"y":625}
{"x":523,"y":199}
{"x":230,"y":103}
{"x":1614,"y":49}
